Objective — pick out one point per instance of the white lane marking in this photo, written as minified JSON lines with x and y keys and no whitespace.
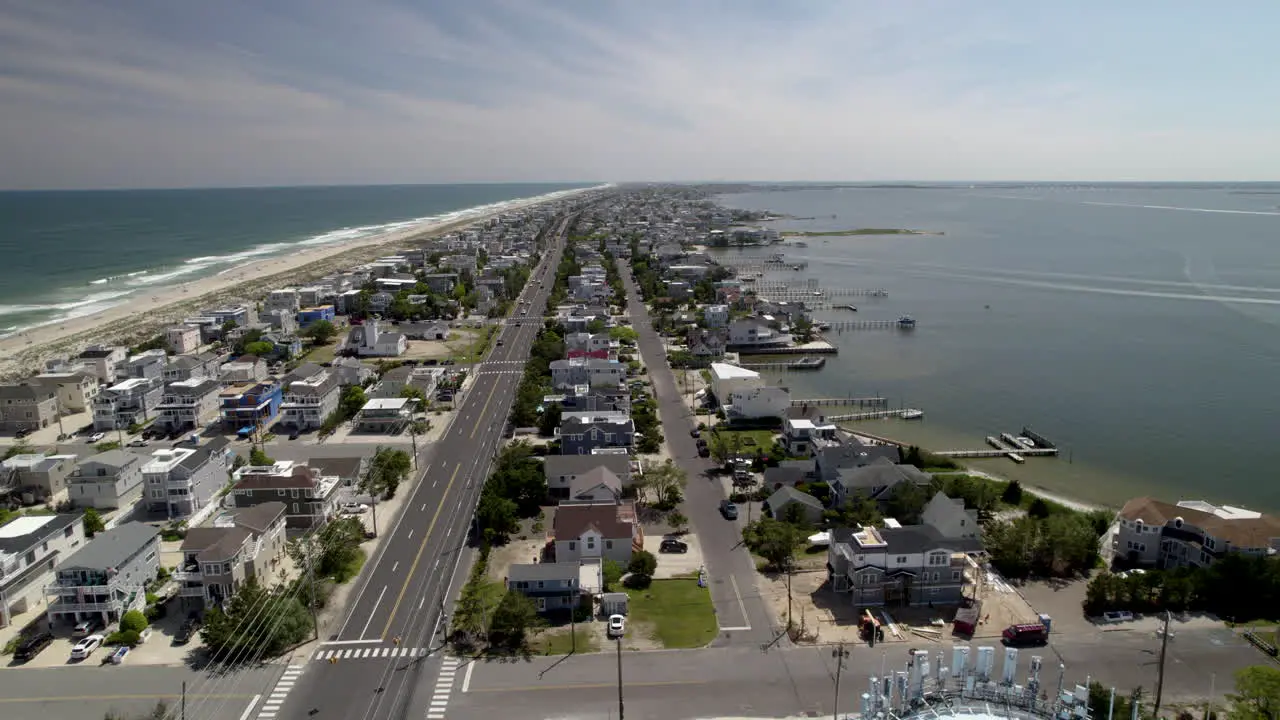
{"x":410,"y":535}
{"x":378,"y":602}
{"x":249,"y":710}
{"x":738,"y":628}
{"x":395,"y":565}
{"x":466,"y":679}
{"x":348,"y":642}
{"x":742,"y":607}
{"x":422,"y":602}
{"x":423,"y":508}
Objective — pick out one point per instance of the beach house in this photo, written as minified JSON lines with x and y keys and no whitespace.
{"x":128,"y":402}
{"x":310,"y":498}
{"x":311,"y":395}
{"x":76,"y":389}
{"x":188,"y":404}
{"x":1190,"y":533}
{"x":180,"y":482}
{"x":111,"y":479}
{"x":27,"y":406}
{"x":30,"y":547}
{"x":218,"y":559}
{"x":103,"y":361}
{"x":37,"y":477}
{"x":106,"y":577}
{"x":244,"y":408}
{"x":182,"y":339}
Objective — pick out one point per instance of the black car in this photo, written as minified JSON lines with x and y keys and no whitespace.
{"x":695,"y":433}
{"x":704,"y":451}
{"x":31,"y":646}
{"x":671,"y":545}
{"x":189,"y":628}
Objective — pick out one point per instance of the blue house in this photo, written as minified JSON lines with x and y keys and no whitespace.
{"x":582,"y":435}
{"x":306,"y":316}
{"x":250,"y":405}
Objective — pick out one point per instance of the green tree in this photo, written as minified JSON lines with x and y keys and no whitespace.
{"x":624,"y":334}
{"x":412,"y":393}
{"x":320,"y":331}
{"x":773,"y":540}
{"x":677,"y":520}
{"x":802,"y":330}
{"x":1038,"y":509}
{"x":906,"y":501}
{"x":612,"y":572}
{"x":550,"y":420}
{"x":387,"y":469}
{"x":260,"y":348}
{"x":641,"y":568}
{"x":496,"y":517}
{"x":134,"y":621}
{"x":1257,"y":695}
{"x":93,"y":523}
{"x":1012,"y":494}
{"x":334,"y":550}
{"x":665,"y":482}
{"x":512,"y":621}
{"x":350,"y":402}
{"x":232,"y":633}
{"x":259,"y":458}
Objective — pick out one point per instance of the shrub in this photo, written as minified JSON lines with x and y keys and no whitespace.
{"x":124,"y":637}
{"x":133,"y":620}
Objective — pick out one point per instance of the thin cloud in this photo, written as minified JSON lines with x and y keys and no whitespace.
{"x":154,"y":93}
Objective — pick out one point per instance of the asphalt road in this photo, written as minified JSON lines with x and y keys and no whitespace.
{"x":401,"y":594}
{"x":742,"y":614}
{"x":88,"y":692}
{"x":744,"y":681}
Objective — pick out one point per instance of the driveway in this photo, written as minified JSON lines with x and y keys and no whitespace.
{"x":674,"y":565}
{"x":730,"y":569}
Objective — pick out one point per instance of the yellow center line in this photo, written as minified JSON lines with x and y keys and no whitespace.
{"x":587,"y":686}
{"x":418,"y":558}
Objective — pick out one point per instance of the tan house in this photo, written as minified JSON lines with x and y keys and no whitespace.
{"x":27,"y":406}
{"x":1192,"y":533}
{"x":76,"y":390}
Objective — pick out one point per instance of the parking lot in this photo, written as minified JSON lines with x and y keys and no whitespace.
{"x":674,"y":565}
{"x":159,"y":648}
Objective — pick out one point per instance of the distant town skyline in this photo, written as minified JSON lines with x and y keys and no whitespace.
{"x":159,"y":94}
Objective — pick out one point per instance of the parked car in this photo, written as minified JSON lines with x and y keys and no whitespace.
{"x":189,"y":628}
{"x":96,"y":437}
{"x":86,"y":627}
{"x":294,"y":436}
{"x":617,"y":626}
{"x":1116,"y":616}
{"x":86,"y":646}
{"x":354,"y":508}
{"x":119,"y":654}
{"x":704,"y":451}
{"x":729,"y":510}
{"x":1029,"y":634}
{"x":138,"y":443}
{"x":32,"y":645}
{"x":672,"y":545}
{"x":695,"y":433}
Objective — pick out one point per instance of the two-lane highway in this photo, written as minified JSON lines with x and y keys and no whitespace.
{"x":398,"y":608}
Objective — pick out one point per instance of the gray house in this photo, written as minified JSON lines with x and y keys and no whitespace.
{"x":563,"y":470}
{"x":597,"y":485}
{"x":553,"y":586}
{"x":218,"y":559}
{"x":43,"y":476}
{"x":828,"y":461}
{"x":30,"y":547}
{"x":912,"y":565}
{"x":106,"y":577}
{"x":781,"y":502}
{"x":27,"y":406}
{"x":112,"y":479}
{"x":579,"y":436}
{"x":876,"y":480}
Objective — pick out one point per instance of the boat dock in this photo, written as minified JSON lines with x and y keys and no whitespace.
{"x":842,"y":325}
{"x":850,"y":308}
{"x":840,"y":402}
{"x":774,"y":287}
{"x":804,"y":363}
{"x":1017,"y":449}
{"x":876,"y":415}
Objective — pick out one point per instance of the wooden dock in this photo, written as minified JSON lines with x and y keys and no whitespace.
{"x":804,"y":363}
{"x":788,"y":291}
{"x":1004,"y":446}
{"x":819,"y":348}
{"x":842,"y":325}
{"x":873,"y":415}
{"x":859,"y":402}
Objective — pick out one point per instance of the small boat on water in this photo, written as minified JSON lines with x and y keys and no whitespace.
{"x":906,"y":321}
{"x":912,"y":414}
{"x":800,"y":244}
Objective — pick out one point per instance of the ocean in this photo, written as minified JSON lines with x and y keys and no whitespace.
{"x":70,"y":254}
{"x":1136,"y":326}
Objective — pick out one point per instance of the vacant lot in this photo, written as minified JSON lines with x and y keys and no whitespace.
{"x":679,"y":613}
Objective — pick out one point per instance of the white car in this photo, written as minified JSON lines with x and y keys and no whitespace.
{"x":354,"y":508}
{"x":617,"y":626}
{"x":86,"y":646}
{"x":96,"y":437}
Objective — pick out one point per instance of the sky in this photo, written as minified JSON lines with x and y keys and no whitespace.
{"x":174,"y":93}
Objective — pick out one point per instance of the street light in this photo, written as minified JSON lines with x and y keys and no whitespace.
{"x":839,"y":654}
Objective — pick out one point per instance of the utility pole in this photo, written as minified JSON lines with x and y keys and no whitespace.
{"x":840,"y":654}
{"x":311,"y":589}
{"x":183,"y":704}
{"x":1164,"y":647}
{"x":620,"y":707}
{"x":788,"y":597}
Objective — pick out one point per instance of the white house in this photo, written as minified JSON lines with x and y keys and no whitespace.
{"x":76,"y":390}
{"x":188,"y":404}
{"x":30,"y":547}
{"x":950,"y":518}
{"x":369,"y":341}
{"x":727,"y":379}
{"x":716,"y":315}
{"x":591,"y":371}
{"x":311,"y":394}
{"x":758,"y":402}
{"x":182,"y":339}
{"x":750,"y":331}
{"x":1192,"y":533}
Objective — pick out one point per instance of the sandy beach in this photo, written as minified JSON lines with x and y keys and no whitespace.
{"x":142,"y":316}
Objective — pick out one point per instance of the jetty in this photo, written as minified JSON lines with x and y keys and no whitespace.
{"x":904,"y":413}
{"x":878,"y":402}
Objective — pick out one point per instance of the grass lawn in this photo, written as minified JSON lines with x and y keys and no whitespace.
{"x":322,"y":353}
{"x":560,"y":641}
{"x":680,"y":612}
{"x":473,"y":352}
{"x":747,"y":441}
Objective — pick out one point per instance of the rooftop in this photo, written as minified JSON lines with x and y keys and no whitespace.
{"x":24,"y":525}
{"x":111,"y":548}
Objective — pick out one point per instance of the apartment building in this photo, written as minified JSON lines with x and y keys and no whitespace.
{"x":188,"y":404}
{"x":106,"y":577}
{"x":111,"y":479}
